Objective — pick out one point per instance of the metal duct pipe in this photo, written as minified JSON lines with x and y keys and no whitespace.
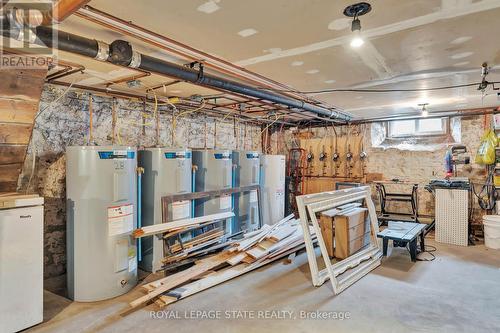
{"x":121,"y":53}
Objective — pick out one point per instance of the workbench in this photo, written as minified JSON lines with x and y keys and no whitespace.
{"x":402,"y":233}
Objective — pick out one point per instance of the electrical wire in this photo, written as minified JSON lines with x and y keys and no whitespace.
{"x":486,"y":197}
{"x":430,"y":252}
{"x":174,"y":119}
{"x":33,"y":164}
{"x":144,"y":116}
{"x":333,"y":90}
{"x":54,"y":101}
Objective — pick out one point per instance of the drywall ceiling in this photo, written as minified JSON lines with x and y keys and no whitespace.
{"x":305,"y":44}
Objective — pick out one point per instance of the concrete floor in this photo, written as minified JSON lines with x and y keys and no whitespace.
{"x":458,"y":292}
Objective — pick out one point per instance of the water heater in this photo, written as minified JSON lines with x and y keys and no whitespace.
{"x":101,"y":214}
{"x":166,"y":171}
{"x":273,"y":188}
{"x":213,"y":171}
{"x":246,"y":173}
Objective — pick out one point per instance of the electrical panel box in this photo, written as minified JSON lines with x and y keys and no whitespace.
{"x":213,"y":171}
{"x":101,"y":215}
{"x":273,"y":188}
{"x":166,"y":171}
{"x":246,"y":173}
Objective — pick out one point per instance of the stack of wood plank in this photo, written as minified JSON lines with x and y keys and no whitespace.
{"x":255,"y":249}
{"x":191,"y":247}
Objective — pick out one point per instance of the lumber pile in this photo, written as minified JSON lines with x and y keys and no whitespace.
{"x":238,"y":257}
{"x":180,"y":225}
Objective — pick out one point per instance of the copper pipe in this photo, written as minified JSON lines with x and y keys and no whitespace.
{"x":128,"y":78}
{"x":199,"y":55}
{"x":64,"y":8}
{"x":121,"y":94}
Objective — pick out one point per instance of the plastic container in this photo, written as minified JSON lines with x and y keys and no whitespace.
{"x":492,"y":231}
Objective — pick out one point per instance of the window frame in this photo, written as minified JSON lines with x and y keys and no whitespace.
{"x":419,"y":134}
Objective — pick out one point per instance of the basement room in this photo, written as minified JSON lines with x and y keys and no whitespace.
{"x":249,"y":166}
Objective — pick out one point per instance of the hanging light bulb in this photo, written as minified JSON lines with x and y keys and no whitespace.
{"x":355,"y":11}
{"x":357,"y":41}
{"x":425,"y":113}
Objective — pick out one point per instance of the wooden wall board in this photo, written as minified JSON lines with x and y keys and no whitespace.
{"x":20,"y":92}
{"x":23,"y":84}
{"x":318,"y":184}
{"x":344,"y":168}
{"x":10,"y":154}
{"x":8,"y":186}
{"x":17,"y":111}
{"x":15,"y":133}
{"x":9,"y":172}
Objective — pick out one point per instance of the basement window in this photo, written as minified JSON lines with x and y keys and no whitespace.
{"x":424,"y":134}
{"x":417,"y":128}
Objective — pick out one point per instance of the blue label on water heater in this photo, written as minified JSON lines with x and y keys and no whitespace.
{"x":253,"y":155}
{"x":116,"y":154}
{"x":222,"y":156}
{"x":178,"y":154}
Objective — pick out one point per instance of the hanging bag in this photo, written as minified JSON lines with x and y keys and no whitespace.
{"x":486,"y":151}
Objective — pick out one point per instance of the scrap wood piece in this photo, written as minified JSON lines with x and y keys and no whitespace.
{"x":248,"y":242}
{"x":265,"y":244}
{"x":236,"y":259}
{"x":282,"y":232}
{"x":290,"y":258}
{"x":206,"y":236}
{"x":265,"y":230}
{"x":219,"y":277}
{"x":175,"y":225}
{"x":172,"y":281}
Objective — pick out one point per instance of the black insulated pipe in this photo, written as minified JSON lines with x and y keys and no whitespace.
{"x":67,"y":42}
{"x":187,"y":74}
{"x":121,"y":53}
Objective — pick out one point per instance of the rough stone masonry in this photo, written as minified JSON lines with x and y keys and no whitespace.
{"x":63,"y":120}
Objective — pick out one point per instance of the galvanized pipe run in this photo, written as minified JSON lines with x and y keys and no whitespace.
{"x":121,"y":53}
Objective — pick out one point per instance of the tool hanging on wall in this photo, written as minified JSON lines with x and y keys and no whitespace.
{"x":323,"y":158}
{"x":310,"y":160}
{"x":348,"y":154}
{"x":336,"y":155}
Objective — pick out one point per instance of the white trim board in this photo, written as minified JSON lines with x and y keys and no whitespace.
{"x":362,"y":262}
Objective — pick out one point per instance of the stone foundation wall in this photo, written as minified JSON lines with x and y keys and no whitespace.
{"x":65,"y":122}
{"x":413,"y":166}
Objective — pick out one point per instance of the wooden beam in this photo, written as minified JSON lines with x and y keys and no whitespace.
{"x":64,"y":8}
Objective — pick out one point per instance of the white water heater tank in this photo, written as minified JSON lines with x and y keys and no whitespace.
{"x":101,"y":214}
{"x":166,"y":171}
{"x":273,"y":188}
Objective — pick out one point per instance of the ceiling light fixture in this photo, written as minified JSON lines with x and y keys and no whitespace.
{"x":355,"y":11}
{"x":425,"y":113}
